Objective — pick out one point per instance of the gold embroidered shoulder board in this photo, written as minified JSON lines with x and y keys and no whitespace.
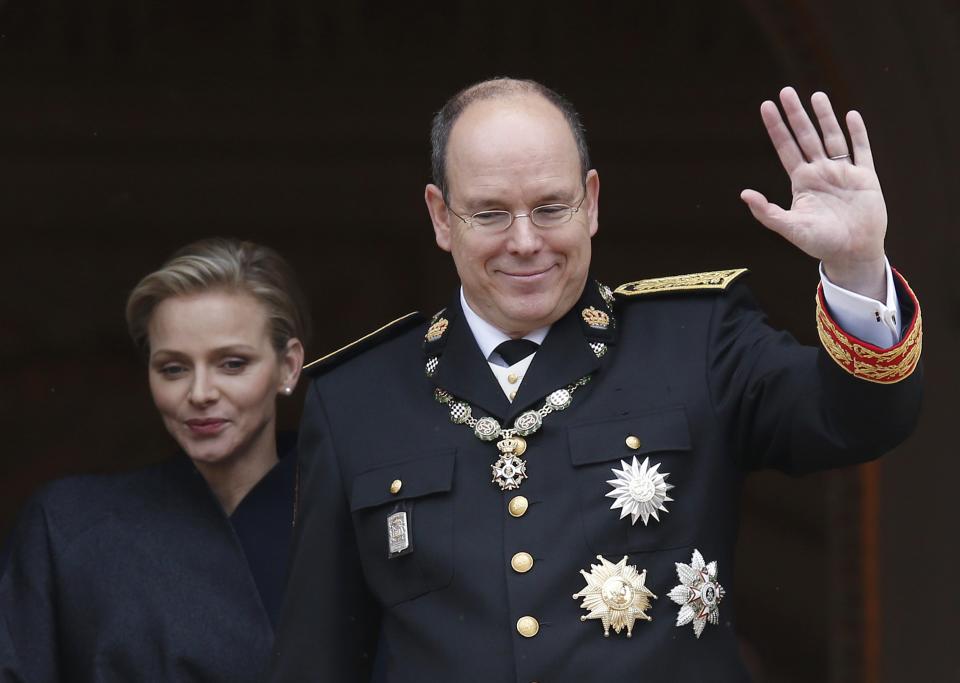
{"x":367,"y":341}
{"x":694,"y":282}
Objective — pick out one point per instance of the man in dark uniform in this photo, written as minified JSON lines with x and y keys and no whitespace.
{"x":541,"y":482}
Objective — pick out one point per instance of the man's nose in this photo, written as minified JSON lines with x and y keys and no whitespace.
{"x":523,"y":237}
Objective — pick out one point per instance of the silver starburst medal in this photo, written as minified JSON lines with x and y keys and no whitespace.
{"x":616,"y":595}
{"x":639,"y":490}
{"x":698,"y":593}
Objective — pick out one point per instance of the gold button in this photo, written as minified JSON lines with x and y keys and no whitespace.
{"x":522,"y":563}
{"x":513,"y":395}
{"x":512,"y":378}
{"x":518,"y":506}
{"x":633,"y":442}
{"x":528,"y":627}
{"x":395,"y":486}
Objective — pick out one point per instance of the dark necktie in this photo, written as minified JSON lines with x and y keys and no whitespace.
{"x":515,"y":350}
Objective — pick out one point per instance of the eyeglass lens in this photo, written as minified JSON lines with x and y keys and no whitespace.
{"x":548,"y":216}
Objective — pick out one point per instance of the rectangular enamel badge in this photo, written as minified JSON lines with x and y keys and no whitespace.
{"x":398,"y":534}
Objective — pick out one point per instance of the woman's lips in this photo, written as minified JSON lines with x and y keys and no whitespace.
{"x":206,"y":426}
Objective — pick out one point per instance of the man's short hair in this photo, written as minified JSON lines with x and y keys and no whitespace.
{"x":494,"y":88}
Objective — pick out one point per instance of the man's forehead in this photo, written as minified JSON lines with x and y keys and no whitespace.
{"x":490,"y":178}
{"x":517,"y":132}
{"x":504,"y":112}
{"x":481,"y":191}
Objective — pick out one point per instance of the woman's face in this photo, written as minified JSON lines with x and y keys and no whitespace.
{"x":215,"y":375}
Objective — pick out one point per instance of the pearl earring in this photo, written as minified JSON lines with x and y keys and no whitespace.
{"x":287,"y":391}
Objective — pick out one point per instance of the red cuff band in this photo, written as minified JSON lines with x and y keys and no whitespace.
{"x":864,"y":360}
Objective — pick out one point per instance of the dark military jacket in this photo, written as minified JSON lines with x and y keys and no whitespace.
{"x":700,"y":380}
{"x":141,"y":577}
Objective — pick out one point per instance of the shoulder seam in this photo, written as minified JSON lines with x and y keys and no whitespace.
{"x":413,"y":316}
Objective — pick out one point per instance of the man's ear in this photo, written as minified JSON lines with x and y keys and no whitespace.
{"x":592,"y":201}
{"x":439,"y":215}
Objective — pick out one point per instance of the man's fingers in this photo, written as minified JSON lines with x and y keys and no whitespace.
{"x":783,"y":142}
{"x":834,"y":141}
{"x":803,"y":129}
{"x":862,"y":156}
{"x":768,"y":213}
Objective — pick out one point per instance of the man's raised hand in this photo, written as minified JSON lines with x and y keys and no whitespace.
{"x":837,"y":214}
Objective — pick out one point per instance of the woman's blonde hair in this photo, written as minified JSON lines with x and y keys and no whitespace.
{"x":231,"y":265}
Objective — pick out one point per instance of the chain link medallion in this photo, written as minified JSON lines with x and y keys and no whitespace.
{"x":528,"y":423}
{"x":460,"y":412}
{"x":509,"y":470}
{"x":487,"y":429}
{"x":560,"y":399}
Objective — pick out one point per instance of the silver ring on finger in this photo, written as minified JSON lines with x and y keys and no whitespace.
{"x":839,"y":157}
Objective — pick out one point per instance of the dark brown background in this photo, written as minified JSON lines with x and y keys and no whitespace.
{"x":128,"y":128}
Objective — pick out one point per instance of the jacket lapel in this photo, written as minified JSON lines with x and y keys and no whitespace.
{"x":563,"y":358}
{"x":566,"y":354}
{"x":462,"y":370}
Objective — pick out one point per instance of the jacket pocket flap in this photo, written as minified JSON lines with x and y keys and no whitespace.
{"x":632,"y":435}
{"x":405,"y":479}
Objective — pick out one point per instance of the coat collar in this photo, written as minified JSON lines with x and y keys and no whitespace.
{"x":462,"y":369}
{"x":569,"y":352}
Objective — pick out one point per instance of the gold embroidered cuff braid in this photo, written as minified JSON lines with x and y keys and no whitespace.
{"x":864,"y":360}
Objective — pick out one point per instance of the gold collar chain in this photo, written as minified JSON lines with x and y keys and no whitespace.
{"x":510,"y":469}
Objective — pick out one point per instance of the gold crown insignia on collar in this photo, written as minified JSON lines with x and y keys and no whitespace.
{"x":596,"y":319}
{"x":436,"y":330}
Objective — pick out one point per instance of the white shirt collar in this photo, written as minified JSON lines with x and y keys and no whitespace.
{"x":489,"y":337}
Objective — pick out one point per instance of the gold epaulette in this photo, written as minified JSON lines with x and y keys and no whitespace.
{"x":381,"y":334}
{"x":866,"y":361}
{"x":714,"y":279}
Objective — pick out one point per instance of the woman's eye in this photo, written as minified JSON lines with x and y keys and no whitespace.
{"x":172,"y":371}
{"x":234,"y":364}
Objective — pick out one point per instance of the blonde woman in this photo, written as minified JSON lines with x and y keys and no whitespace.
{"x":174,"y":572}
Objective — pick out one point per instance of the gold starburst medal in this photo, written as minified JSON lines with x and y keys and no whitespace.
{"x":616,"y":595}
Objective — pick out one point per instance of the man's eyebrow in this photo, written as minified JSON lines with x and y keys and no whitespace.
{"x":481,"y":201}
{"x":552,"y":196}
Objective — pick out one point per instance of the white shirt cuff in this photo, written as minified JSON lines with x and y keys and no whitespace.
{"x":867,"y":319}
